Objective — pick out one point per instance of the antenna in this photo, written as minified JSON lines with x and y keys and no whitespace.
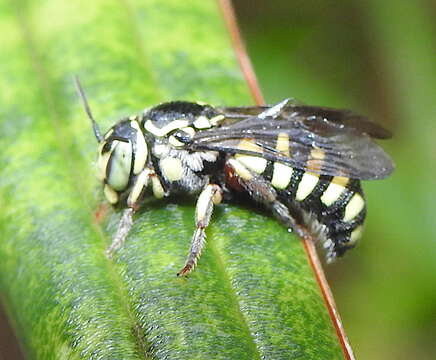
{"x":87,"y":109}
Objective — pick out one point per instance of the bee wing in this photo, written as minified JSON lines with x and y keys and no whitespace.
{"x":324,"y":141}
{"x":323,"y":117}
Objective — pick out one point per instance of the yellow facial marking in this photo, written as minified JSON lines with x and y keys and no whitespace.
{"x":102,"y":161}
{"x":110,"y":194}
{"x":334,"y":191}
{"x":354,"y":207}
{"x":141,"y":149}
{"x":306,"y":185}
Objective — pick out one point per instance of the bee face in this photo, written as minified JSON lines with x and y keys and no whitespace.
{"x":115,"y":163}
{"x":122,"y":154}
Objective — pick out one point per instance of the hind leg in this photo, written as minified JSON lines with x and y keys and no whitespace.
{"x":242,"y":179}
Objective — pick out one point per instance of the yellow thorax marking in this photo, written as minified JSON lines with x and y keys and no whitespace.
{"x":173,"y":125}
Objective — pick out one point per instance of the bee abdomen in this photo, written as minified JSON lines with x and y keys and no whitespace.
{"x":332,"y":207}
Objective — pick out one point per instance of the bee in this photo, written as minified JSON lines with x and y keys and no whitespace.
{"x":302,"y":163}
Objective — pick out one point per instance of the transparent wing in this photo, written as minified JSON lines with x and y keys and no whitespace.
{"x":323,"y":117}
{"x":320,"y":140}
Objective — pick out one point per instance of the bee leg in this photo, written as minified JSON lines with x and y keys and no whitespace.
{"x":211,"y":194}
{"x":133,"y":202}
{"x":240,"y":178}
{"x":282,"y":214}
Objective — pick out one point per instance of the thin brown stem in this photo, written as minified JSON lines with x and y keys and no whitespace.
{"x":240,"y":51}
{"x":312,"y":255}
{"x":308,"y":241}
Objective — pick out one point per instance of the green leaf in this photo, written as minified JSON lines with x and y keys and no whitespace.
{"x":253,"y":294}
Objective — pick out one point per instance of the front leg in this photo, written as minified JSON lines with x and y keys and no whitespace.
{"x":211,"y":194}
{"x":133,"y":202}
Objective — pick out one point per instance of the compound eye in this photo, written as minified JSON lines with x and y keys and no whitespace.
{"x":180,"y":138}
{"x":119,"y":165}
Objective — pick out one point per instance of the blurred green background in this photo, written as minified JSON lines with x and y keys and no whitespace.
{"x":377,"y":58}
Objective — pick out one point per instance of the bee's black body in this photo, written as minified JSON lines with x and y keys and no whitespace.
{"x":302,"y":163}
{"x":165,"y":113}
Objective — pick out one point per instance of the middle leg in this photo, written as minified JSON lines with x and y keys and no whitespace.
{"x":211,"y":194}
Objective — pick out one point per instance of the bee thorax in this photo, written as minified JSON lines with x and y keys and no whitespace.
{"x":182,"y":170}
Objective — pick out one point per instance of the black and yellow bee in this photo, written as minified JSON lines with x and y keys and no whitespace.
{"x":303,"y":163}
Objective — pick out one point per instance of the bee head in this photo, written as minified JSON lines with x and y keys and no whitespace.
{"x":122,"y":153}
